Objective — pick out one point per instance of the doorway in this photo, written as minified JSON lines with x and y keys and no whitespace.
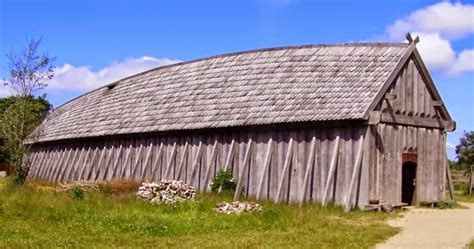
{"x":408,"y":182}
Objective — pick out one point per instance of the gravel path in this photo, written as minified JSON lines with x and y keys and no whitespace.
{"x":433,"y":228}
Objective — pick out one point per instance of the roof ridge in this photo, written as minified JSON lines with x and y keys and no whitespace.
{"x":356,"y":44}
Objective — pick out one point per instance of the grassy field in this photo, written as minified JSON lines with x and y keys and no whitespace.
{"x":40,"y":217}
{"x":460,"y":196}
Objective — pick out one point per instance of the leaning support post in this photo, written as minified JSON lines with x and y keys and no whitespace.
{"x":309,"y":167}
{"x":212,"y":161}
{"x":450,"y":182}
{"x":355,"y":173}
{"x":170,"y":161}
{"x":288,"y":158}
{"x":229,"y":158}
{"x":332,"y":169}
{"x":238,"y":189}
{"x":181,"y":162}
{"x":266,"y":163}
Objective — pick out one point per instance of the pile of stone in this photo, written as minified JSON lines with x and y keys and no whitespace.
{"x":166,"y":192}
{"x":237,"y":207}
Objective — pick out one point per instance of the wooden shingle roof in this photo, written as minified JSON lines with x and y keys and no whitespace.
{"x":278,"y":85}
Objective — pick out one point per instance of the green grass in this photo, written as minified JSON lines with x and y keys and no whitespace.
{"x":464,"y":197}
{"x":36,"y":217}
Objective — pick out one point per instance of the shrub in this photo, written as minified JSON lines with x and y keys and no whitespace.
{"x":77,"y":193}
{"x":224,"y":181}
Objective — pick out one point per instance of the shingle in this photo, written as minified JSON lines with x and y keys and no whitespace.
{"x":290,"y":84}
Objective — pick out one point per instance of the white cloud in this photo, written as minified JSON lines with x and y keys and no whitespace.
{"x":438,"y":26}
{"x":464,"y":62}
{"x":450,"y":145}
{"x":450,"y":20}
{"x":82,"y":78}
{"x":4,"y":92}
{"x":436,"y":52}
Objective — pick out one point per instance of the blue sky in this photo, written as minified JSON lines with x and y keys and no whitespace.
{"x":96,"y":42}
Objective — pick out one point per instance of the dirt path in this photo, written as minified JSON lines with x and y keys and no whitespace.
{"x":433,"y":228}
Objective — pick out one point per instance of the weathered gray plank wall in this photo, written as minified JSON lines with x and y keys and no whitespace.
{"x":391,"y":141}
{"x":409,"y":98}
{"x":196,"y":159}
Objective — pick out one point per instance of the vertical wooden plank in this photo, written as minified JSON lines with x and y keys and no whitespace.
{"x":355,"y":172}
{"x":172,"y":155}
{"x":363,"y":194}
{"x":210,"y":165}
{"x":245,"y":164}
{"x":295,"y":167}
{"x":182,"y":161}
{"x":409,"y":88}
{"x":325,"y":150}
{"x":272,"y":170}
{"x":308,"y":171}
{"x":285,"y":172}
{"x":265,"y":168}
{"x":332,"y":169}
{"x":195,"y":166}
{"x":315,"y":188}
{"x":69,"y":164}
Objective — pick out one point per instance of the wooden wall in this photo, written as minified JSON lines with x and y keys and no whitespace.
{"x":408,"y":99}
{"x":290,"y":165}
{"x":389,"y":143}
{"x":280,"y":165}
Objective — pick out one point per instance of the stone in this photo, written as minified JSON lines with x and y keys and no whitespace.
{"x":166,"y":192}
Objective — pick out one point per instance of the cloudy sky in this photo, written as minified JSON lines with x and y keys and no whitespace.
{"x":97,"y":42}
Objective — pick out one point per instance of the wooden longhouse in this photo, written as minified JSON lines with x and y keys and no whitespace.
{"x":320,"y":123}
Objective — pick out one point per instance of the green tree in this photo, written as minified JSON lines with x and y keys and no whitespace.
{"x":465,"y":154}
{"x":29,"y":71}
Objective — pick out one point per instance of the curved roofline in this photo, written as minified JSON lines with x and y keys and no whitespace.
{"x":362,"y":44}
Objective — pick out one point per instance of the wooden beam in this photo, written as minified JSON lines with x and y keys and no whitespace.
{"x":230,"y":156}
{"x":157,"y":159}
{"x":116,"y":161}
{"x":390,"y":96}
{"x":103,"y":172}
{"x":355,"y":173}
{"x":196,"y":160}
{"x":147,"y":160}
{"x":309,"y":167}
{"x":59,"y":171}
{"x":170,"y":161}
{"x":134,"y":166}
{"x":332,"y":169}
{"x":88,"y":165}
{"x":181,"y":161}
{"x":438,"y":103}
{"x":374,"y":117}
{"x":123,"y":170}
{"x":450,"y":182}
{"x":266,"y":163}
{"x":70,"y":161}
{"x":288,"y":158}
{"x":209,"y":165}
{"x":94,"y":173}
{"x":245,"y":163}
{"x":412,"y":121}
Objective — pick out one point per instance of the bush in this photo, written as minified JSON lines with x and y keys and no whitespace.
{"x":77,"y":193}
{"x":224,"y":180}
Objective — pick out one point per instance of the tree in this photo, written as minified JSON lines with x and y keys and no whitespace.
{"x":465,"y":154}
{"x":29,"y":72}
